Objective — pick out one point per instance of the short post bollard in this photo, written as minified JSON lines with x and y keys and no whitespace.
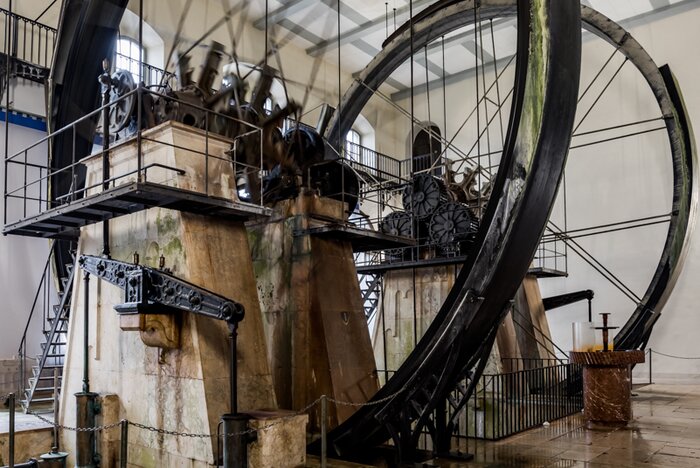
{"x":11,"y":455}
{"x":324,"y":430}
{"x":124,"y":444}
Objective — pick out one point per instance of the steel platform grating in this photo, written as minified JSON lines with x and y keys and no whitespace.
{"x":542,"y":272}
{"x":362,"y":240}
{"x":65,"y":221}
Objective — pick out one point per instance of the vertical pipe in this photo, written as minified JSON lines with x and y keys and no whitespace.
{"x":86,"y":318}
{"x":7,"y":101}
{"x":139,"y":101}
{"x":55,"y":407}
{"x":324,"y":441}
{"x":124,"y":444}
{"x":340,"y":97}
{"x":206,"y":153}
{"x":590,"y":311}
{"x":106,"y":81}
{"x":25,"y":180}
{"x":73,"y":175}
{"x":650,"y":353}
{"x":233,"y":378}
{"x":493,"y":408}
{"x":11,"y":443}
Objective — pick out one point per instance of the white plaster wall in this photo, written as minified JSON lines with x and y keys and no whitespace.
{"x":617,"y":181}
{"x":22,"y":260}
{"x":631,"y":179}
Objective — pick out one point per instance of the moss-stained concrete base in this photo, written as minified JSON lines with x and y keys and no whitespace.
{"x":400,"y":325}
{"x":318,"y":339}
{"x":183,"y":388}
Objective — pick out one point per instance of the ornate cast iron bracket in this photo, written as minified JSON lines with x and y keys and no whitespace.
{"x":151,"y":291}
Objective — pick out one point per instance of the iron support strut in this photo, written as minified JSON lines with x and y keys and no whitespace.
{"x":86,"y":401}
{"x":235,"y":424}
{"x":106,"y":82}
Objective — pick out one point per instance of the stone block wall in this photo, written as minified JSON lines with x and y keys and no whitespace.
{"x":9,"y":376}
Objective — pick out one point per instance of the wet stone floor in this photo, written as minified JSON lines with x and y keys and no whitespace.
{"x":665,"y":433}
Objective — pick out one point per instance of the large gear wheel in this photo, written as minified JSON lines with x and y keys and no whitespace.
{"x":423,"y":195}
{"x":452,"y":223}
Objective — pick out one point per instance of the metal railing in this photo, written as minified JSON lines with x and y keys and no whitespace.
{"x":28,"y":176}
{"x":515,"y":364}
{"x":149,"y":74}
{"x":34,"y":43}
{"x":551,"y":254}
{"x":29,"y":41}
{"x":373,"y":163}
{"x":508,"y":403}
{"x":41,"y":302}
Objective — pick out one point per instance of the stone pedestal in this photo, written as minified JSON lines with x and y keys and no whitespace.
{"x":314,"y":318}
{"x":281,"y":439}
{"x":607,"y":385}
{"x":182,"y":383}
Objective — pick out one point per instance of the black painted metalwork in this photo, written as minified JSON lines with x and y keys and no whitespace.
{"x":148,"y":291}
{"x":424,"y":195}
{"x":457,"y":340}
{"x":565,"y":299}
{"x":151,"y":291}
{"x":64,"y":222}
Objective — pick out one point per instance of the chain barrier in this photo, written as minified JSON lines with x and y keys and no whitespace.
{"x":76,"y":429}
{"x":689,"y":358}
{"x":204,"y":436}
{"x":369,"y":403}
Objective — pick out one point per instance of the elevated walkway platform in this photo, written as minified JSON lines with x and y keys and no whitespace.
{"x":65,"y":221}
{"x":543,"y":272}
{"x":383,"y":267}
{"x":361,"y":239}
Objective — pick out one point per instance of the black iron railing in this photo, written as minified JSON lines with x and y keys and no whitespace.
{"x":28,"y":174}
{"x":373,"y":163}
{"x":27,"y":40}
{"x":150,"y":75}
{"x":508,"y":403}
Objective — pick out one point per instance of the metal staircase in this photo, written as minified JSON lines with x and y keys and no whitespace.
{"x":43,"y":383}
{"x":370,"y":287}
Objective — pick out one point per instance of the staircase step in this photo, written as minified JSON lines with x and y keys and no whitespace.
{"x":44,"y":390}
{"x":60,"y":343}
{"x":47,"y":378}
{"x":50,"y":366}
{"x":41,"y":400}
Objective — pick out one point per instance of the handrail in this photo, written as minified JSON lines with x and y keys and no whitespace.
{"x":36,"y":298}
{"x":125,"y":96}
{"x":22,"y":349}
{"x":57,"y":318}
{"x":28,"y":20}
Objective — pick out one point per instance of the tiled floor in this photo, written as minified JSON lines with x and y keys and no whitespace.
{"x":665,"y":433}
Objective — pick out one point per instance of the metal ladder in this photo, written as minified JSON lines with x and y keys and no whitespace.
{"x":370,"y":287}
{"x":47,"y":368}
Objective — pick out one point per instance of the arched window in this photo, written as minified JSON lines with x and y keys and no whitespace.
{"x":427,"y":150}
{"x":353,"y":140}
{"x":128,"y":55}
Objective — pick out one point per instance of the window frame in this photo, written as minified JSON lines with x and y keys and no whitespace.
{"x":133,"y":60}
